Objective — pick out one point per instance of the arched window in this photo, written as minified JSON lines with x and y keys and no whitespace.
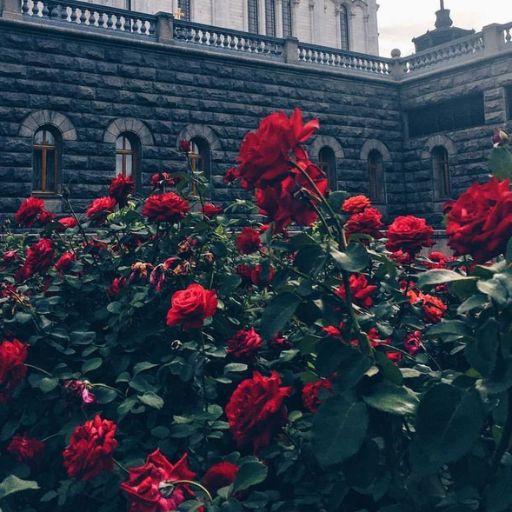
{"x":441,"y":170}
{"x":127,"y":154}
{"x":327,"y":162}
{"x":344,"y":35}
{"x":184,"y":7}
{"x":376,"y":177}
{"x":287,"y":18}
{"x":46,"y":160}
{"x":252,"y":12}
{"x":200,"y":156}
{"x":270,"y":15}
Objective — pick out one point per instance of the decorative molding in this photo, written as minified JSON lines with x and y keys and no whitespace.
{"x":322,"y":141}
{"x":435,"y":141}
{"x":374,"y":144}
{"x":128,"y":124}
{"x":204,"y":132}
{"x":41,"y":118}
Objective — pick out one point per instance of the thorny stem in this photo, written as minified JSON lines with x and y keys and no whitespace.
{"x":189,"y":482}
{"x":38,"y":369}
{"x":120,"y":466}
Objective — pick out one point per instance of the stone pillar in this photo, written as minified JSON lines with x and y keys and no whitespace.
{"x":291,"y":50}
{"x":396,"y":70}
{"x":494,"y":39}
{"x":10,"y":9}
{"x":165,"y":27}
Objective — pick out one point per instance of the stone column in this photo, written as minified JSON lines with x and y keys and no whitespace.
{"x":10,"y":9}
{"x":165,"y":27}
{"x":291,"y":50}
{"x":279,"y":18}
{"x":396,"y":70}
{"x":494,"y":39}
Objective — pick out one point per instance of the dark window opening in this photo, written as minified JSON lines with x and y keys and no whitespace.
{"x":287,"y":18}
{"x":46,"y":160}
{"x":253,"y":16}
{"x":270,"y":17}
{"x":441,"y":170}
{"x":127,"y":155}
{"x":509,"y":102}
{"x":184,"y":9}
{"x":457,"y":114}
{"x":345,"y":39}
{"x":327,"y":162}
{"x":376,"y":189}
{"x":200,"y":156}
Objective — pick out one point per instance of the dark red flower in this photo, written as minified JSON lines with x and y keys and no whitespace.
{"x":245,"y":344}
{"x":248,"y":241}
{"x":360,"y":289}
{"x":438,"y":259}
{"x":32,"y":211}
{"x":210,"y":210}
{"x":146,"y":484}
{"x":167,"y":207}
{"x":480,"y":221}
{"x":409,"y":234}
{"x":13,"y":355}
{"x":256,"y":410}
{"x":120,"y":188}
{"x":65,"y":261}
{"x":39,"y":259}
{"x":118,"y":283}
{"x":368,"y":222}
{"x":376,"y":342}
{"x":90,"y":449}
{"x":80,"y":389}
{"x":45,"y":218}
{"x":244,"y":271}
{"x":280,"y":342}
{"x":220,"y":475}
{"x":161,"y":180}
{"x":185,"y":146}
{"x":433,"y":307}
{"x":26,"y":449}
{"x":332,"y":330}
{"x":311,"y":391}
{"x":413,"y":342}
{"x":356,"y":204}
{"x":68,"y":222}
{"x":100,"y":209}
{"x":262,"y":275}
{"x":10,"y":257}
{"x":191,"y":307}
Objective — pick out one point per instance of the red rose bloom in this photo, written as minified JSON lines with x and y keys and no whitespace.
{"x":412,"y":342}
{"x":480,"y":221}
{"x":13,"y":355}
{"x":356,"y":204}
{"x":68,"y":222}
{"x":31,"y":211}
{"x":262,"y":275}
{"x":332,"y":330}
{"x":65,"y":261}
{"x":118,"y":283}
{"x":210,"y":210}
{"x":376,"y":342}
{"x":143,"y":485}
{"x":409,"y":234}
{"x":160,"y":180}
{"x":120,"y":188}
{"x":245,"y":344}
{"x":26,"y":449}
{"x":256,"y":410}
{"x":438,"y":260}
{"x":433,"y":308}
{"x":100,"y":209}
{"x":81,"y":390}
{"x":191,"y":307}
{"x":39,"y":259}
{"x":90,"y":449}
{"x":220,"y":475}
{"x":310,"y":393}
{"x":360,"y":289}
{"x":367,"y":222}
{"x":280,"y":342}
{"x":185,"y":146}
{"x":167,"y":207}
{"x":248,"y":241}
{"x":9,"y":257}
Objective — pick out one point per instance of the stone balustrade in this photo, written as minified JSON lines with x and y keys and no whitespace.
{"x":163,"y":28}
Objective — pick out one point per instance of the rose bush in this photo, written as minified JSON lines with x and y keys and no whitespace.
{"x":157,"y":356}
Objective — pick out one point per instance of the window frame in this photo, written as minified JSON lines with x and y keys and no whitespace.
{"x":186,"y":8}
{"x":270,"y":18}
{"x":204,"y":154}
{"x":135,"y":153}
{"x":43,"y":149}
{"x":344,"y":28}
{"x":329,"y":166}
{"x":287,"y":17}
{"x":376,"y":173}
{"x":253,"y":16}
{"x":440,"y":159}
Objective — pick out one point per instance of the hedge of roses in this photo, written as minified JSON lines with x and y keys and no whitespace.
{"x":157,"y":356}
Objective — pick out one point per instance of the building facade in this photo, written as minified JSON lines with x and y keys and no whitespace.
{"x":88,"y":93}
{"x":347,"y":24}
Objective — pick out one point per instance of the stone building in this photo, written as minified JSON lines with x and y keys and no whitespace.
{"x":345,"y":24}
{"x":87,"y":92}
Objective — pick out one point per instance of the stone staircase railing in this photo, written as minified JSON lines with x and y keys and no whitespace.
{"x":507,"y":33}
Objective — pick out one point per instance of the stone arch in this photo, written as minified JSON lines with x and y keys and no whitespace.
{"x":205,"y":132}
{"x":326,"y":140}
{"x":36,"y":120}
{"x":374,"y":144}
{"x":128,"y":124}
{"x":438,"y":140}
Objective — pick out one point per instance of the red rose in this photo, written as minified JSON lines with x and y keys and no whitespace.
{"x":368,"y":222}
{"x":120,"y":188}
{"x":144,"y":484}
{"x":332,"y":331}
{"x":39,"y":259}
{"x":356,"y":204}
{"x":167,"y":207}
{"x":280,"y":342}
{"x":210,"y":210}
{"x":262,"y":275}
{"x":244,"y":271}
{"x":13,"y":355}
{"x":26,"y":449}
{"x":185,"y":146}
{"x":32,"y":211}
{"x":311,"y":391}
{"x":376,"y":342}
{"x":191,"y":307}
{"x":10,"y":257}
{"x":433,"y":308}
{"x":100,"y":209}
{"x":480,"y":221}
{"x":360,"y":289}
{"x":220,"y":475}
{"x":65,"y":261}
{"x":68,"y":222}
{"x":438,"y":260}
{"x":409,"y":234}
{"x":248,"y":241}
{"x":413,"y":342}
{"x":115,"y":288}
{"x":90,"y":449}
{"x":80,"y":389}
{"x":161,"y":180}
{"x":245,"y":344}
{"x":256,"y":410}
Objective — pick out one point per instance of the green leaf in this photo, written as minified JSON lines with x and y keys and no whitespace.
{"x":389,"y":370}
{"x":482,"y":352}
{"x":500,"y":163}
{"x":508,"y":252}
{"x":83,"y":338}
{"x":393,"y":399}
{"x":250,"y":474}
{"x":143,"y":366}
{"x":92,"y":364}
{"x":499,"y":492}
{"x":48,"y":384}
{"x":436,"y":277}
{"x":152,"y":400}
{"x":278,"y":313}
{"x":354,"y":259}
{"x":449,"y":421}
{"x":339,"y":428}
{"x":235,"y":367}
{"x":12,"y":484}
{"x":452,"y":327}
{"x":337,"y":198}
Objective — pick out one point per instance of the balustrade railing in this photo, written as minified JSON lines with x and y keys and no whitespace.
{"x":507,"y":33}
{"x":91,"y":15}
{"x":217,"y":37}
